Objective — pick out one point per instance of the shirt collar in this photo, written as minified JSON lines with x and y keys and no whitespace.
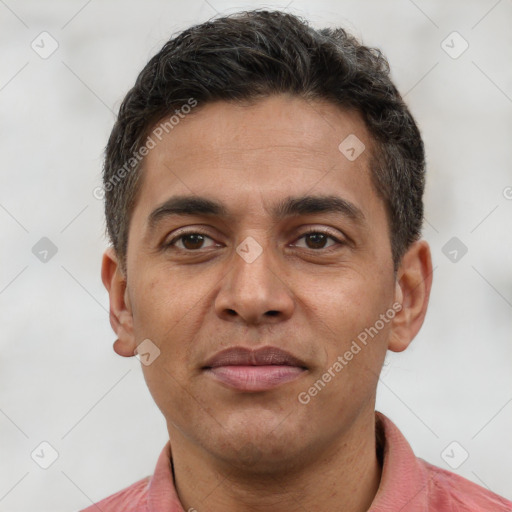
{"x":162,"y":496}
{"x":404,"y":481}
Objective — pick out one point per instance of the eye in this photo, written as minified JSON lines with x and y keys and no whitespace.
{"x":317,"y":239}
{"x":189,"y":241}
{"x":193,"y":241}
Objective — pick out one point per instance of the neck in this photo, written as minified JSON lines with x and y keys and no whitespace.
{"x":344,"y":477}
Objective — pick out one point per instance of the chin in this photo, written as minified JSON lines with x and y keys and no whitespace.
{"x":269,"y":450}
{"x":261,"y":459}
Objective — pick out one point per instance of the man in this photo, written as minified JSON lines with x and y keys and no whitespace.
{"x":264,"y":186}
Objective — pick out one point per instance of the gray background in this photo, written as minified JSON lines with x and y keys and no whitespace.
{"x":60,"y":380}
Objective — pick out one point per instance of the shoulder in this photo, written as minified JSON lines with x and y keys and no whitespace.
{"x":447,"y":488}
{"x":130,"y":499}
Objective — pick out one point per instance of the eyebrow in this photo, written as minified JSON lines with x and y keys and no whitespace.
{"x":287,"y":207}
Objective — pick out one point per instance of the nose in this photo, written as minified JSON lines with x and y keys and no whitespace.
{"x":255,"y":290}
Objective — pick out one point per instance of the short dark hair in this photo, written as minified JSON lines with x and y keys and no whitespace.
{"x":251,"y":55}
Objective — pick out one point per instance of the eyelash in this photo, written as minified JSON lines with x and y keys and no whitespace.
{"x":311,"y":231}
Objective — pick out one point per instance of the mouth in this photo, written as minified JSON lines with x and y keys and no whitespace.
{"x":254,"y":370}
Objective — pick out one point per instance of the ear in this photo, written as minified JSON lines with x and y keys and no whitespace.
{"x":121,"y":318}
{"x":412,"y":291}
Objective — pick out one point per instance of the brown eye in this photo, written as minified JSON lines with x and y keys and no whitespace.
{"x":317,"y":239}
{"x":189,"y":241}
{"x":193,"y":241}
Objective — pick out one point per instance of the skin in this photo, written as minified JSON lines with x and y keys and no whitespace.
{"x":234,"y":450}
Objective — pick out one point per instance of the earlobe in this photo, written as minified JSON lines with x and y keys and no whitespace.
{"x":412,"y":290}
{"x":121,"y":318}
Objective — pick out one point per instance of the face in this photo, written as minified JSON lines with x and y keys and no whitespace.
{"x":260,"y":265}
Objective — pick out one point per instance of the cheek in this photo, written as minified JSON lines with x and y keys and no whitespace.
{"x":171,"y":393}
{"x":158,"y":304}
{"x":350,"y":303}
{"x":171,"y":318}
{"x":347,"y":315}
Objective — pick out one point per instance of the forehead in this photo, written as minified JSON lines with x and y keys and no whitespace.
{"x":250,"y":156}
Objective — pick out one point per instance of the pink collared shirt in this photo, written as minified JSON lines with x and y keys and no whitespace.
{"x":408,"y":484}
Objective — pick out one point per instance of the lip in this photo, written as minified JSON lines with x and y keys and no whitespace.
{"x":254,"y":370}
